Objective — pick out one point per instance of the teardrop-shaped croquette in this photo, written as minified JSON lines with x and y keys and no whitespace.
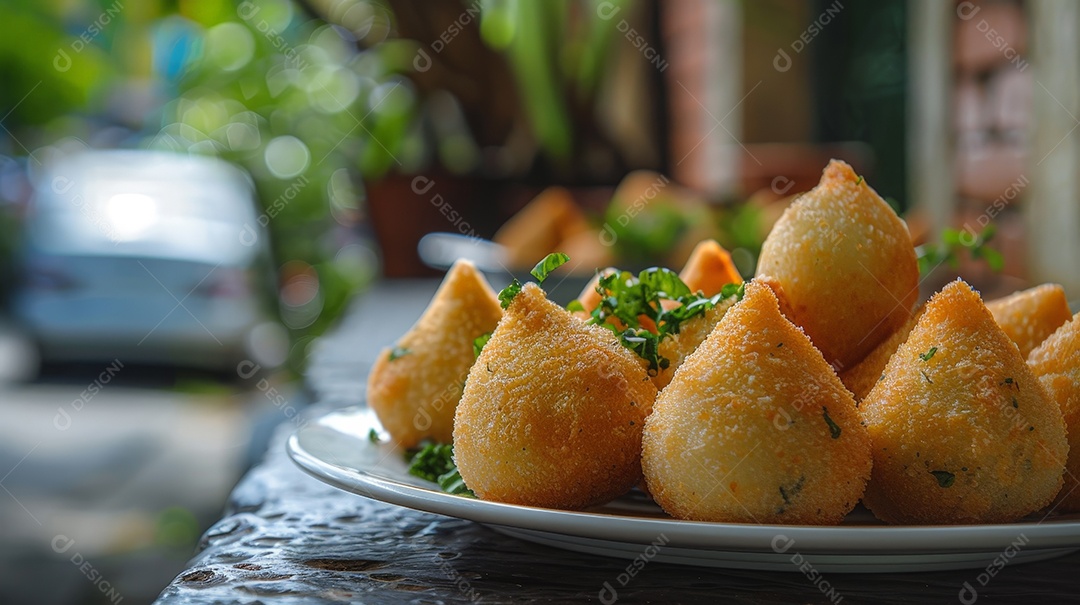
{"x":1056,"y":363}
{"x":553,"y":411}
{"x":415,"y":386}
{"x":756,"y":427}
{"x":1029,"y":316}
{"x":709,"y":269}
{"x":962,"y":431}
{"x":862,"y":378}
{"x":846,"y":263}
{"x":677,"y":347}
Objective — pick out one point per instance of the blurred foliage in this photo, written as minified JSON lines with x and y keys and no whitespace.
{"x":314,"y":99}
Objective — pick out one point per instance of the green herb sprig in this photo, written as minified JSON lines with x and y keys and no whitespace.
{"x":628,"y":298}
{"x":540,"y":272}
{"x":435,"y":462}
{"x":953,"y":244}
{"x":479,"y":342}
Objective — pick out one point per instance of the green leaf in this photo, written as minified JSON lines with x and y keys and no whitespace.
{"x":928,"y":355}
{"x":944,"y":478}
{"x":834,"y":429}
{"x":664,"y":282}
{"x":431,"y":461}
{"x":736,"y":290}
{"x":398,"y":352}
{"x":373,"y":436}
{"x":953,"y":243}
{"x":435,"y":462}
{"x":452,"y":483}
{"x":479,"y":342}
{"x":550,"y":263}
{"x":506,"y":296}
{"x":624,"y":298}
{"x":951,"y":236}
{"x":993,"y":258}
{"x":646,"y":345}
{"x":575,"y":306}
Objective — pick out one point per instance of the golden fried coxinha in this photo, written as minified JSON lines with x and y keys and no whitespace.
{"x":846,"y":263}
{"x":415,"y":386}
{"x":1029,"y":316}
{"x":709,"y":269}
{"x":1056,"y":363}
{"x":962,"y":431}
{"x":552,"y":412}
{"x":755,"y":427}
{"x":550,"y":218}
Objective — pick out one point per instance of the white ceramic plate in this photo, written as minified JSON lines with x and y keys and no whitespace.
{"x":335,"y":449}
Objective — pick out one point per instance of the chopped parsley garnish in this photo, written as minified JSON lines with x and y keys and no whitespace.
{"x":953,"y":243}
{"x":928,"y":355}
{"x":373,"y":436}
{"x":540,"y":272}
{"x":944,"y":478}
{"x":550,"y":263}
{"x":479,"y":342}
{"x":398,"y":353}
{"x":791,"y":492}
{"x":628,"y":299}
{"x":834,"y":429}
{"x":435,"y":462}
{"x":859,"y":182}
{"x":452,"y":483}
{"x":506,"y":296}
{"x":647,"y":346}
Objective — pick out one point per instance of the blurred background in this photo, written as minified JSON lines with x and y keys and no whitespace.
{"x":192,"y":192}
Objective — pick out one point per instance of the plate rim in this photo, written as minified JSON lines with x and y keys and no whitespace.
{"x":848,"y":539}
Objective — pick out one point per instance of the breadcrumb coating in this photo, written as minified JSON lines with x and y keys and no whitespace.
{"x":755,"y":427}
{"x":415,"y":386}
{"x":553,"y":411}
{"x":1029,"y":316}
{"x":962,"y":431}
{"x":709,"y":269}
{"x":1056,"y":363}
{"x":846,"y":263}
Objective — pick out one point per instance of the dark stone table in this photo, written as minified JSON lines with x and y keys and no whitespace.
{"x":286,"y":538}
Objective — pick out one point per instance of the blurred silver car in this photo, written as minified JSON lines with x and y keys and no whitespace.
{"x":143,"y":257}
